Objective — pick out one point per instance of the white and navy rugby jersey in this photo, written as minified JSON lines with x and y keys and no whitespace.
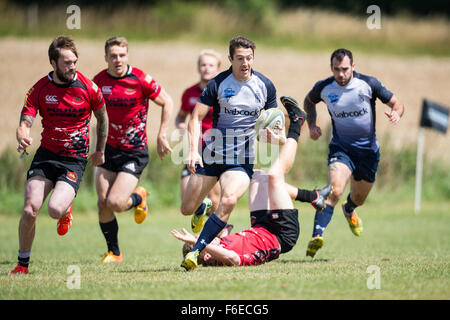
{"x":236,"y":107}
{"x":352,"y":109}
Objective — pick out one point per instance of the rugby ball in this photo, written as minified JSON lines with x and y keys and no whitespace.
{"x":272,"y":118}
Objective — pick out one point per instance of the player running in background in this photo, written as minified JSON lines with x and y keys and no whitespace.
{"x":208,"y":66}
{"x":127,"y":91}
{"x":354,"y":149}
{"x":274,"y":220}
{"x":65,"y":99}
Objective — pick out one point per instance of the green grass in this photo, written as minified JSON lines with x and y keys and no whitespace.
{"x":411,"y":250}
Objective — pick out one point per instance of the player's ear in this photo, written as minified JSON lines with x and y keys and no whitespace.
{"x":230,"y":59}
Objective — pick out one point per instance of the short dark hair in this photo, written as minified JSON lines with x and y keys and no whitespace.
{"x":240,"y":42}
{"x":61,"y":42}
{"x":339,"y":54}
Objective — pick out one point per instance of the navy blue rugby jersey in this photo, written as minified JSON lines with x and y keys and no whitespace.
{"x":236,"y":107}
{"x":352,"y":109}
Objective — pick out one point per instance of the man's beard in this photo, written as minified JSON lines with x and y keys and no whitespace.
{"x":62,"y":77}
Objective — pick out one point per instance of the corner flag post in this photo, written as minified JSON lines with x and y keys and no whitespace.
{"x":434,"y":116}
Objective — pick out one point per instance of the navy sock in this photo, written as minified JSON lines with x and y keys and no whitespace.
{"x":135,"y":200}
{"x":23,"y":258}
{"x":211,"y":229}
{"x":321,"y":220}
{"x":350,"y":205}
{"x":110,"y":231}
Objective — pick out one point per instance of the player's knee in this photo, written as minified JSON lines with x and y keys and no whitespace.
{"x":56,"y":211}
{"x":228,"y":202}
{"x":187,"y":209}
{"x":274,"y":179}
{"x":101,"y":204}
{"x":336,"y":195}
{"x":29,"y":213}
{"x":115,"y":204}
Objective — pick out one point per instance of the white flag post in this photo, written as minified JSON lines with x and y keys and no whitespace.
{"x":419,"y":168}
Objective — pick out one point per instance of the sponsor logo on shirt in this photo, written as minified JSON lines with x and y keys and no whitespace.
{"x":236,"y":112}
{"x":107,"y":89}
{"x":77,"y":100}
{"x":351,"y":114}
{"x":51,"y":99}
{"x":333,"y":97}
{"x":130,"y":91}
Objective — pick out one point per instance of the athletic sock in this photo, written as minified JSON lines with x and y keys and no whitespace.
{"x":306,"y":195}
{"x":210,"y":230}
{"x":135,"y":200}
{"x":350,"y":206}
{"x":23,"y":258}
{"x":110,"y":231}
{"x":294,"y":129}
{"x":321,"y":220}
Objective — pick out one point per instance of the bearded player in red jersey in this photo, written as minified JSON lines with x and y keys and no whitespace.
{"x":126,"y":90}
{"x":208,"y":65}
{"x":65,"y":100}
{"x":275,"y":228}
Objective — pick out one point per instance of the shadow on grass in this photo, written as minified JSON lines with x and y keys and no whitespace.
{"x":303,"y":261}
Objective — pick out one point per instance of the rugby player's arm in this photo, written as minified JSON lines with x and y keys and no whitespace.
{"x":200,"y":111}
{"x":311,"y":117}
{"x":180,"y":119}
{"x":98,"y":157}
{"x":165,"y":101}
{"x":23,"y":132}
{"x":397,"y":110}
{"x":225,"y":256}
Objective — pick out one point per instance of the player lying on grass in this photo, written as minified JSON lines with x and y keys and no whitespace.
{"x":274,"y":220}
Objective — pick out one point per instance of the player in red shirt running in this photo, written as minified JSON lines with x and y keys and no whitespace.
{"x":65,"y":99}
{"x":275,"y":228}
{"x":127,"y":91}
{"x":208,"y":67}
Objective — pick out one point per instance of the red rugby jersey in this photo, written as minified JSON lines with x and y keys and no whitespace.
{"x":254,"y":246}
{"x":66,"y":112}
{"x":189,"y":99}
{"x":127,"y":105}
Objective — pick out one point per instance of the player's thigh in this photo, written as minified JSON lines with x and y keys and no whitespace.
{"x":197,"y":188}
{"x":233,"y":184}
{"x":214,"y":196}
{"x":359,"y":190}
{"x":183,"y":185}
{"x":36,"y":191}
{"x":123,"y":186}
{"x":338,"y":176}
{"x":104,"y":179}
{"x":258,"y":194}
{"x":61,"y":198}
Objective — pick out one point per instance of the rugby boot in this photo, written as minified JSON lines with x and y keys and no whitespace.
{"x":198,"y":220}
{"x":322,"y":195}
{"x":141,"y":210}
{"x":354,"y":222}
{"x":64,"y":223}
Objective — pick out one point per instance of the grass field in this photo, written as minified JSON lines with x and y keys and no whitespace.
{"x":411,"y":251}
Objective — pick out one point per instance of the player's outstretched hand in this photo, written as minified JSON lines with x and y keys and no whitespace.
{"x":275,"y":138}
{"x":163,"y":146}
{"x":185,"y":236}
{"x":393,"y":116}
{"x":193,"y":158}
{"x":24,"y":144}
{"x":97,"y":158}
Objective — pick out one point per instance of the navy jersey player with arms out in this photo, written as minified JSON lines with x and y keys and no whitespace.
{"x":354,"y":149}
